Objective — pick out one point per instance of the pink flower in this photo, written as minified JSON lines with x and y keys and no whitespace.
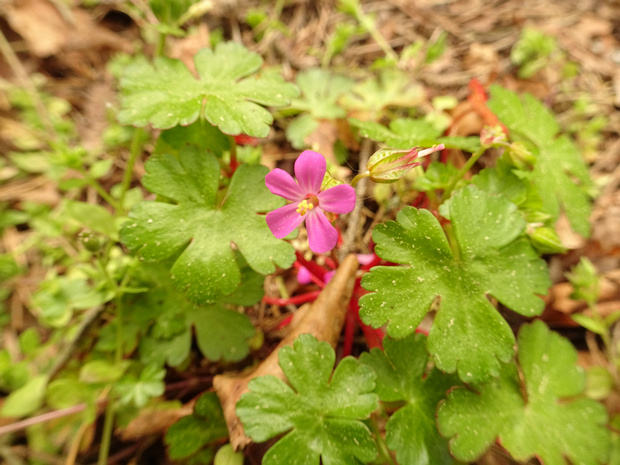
{"x":309,"y":202}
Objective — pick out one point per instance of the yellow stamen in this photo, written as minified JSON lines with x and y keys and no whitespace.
{"x":307,"y":204}
{"x":304,"y":206}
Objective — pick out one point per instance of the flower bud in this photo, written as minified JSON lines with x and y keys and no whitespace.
{"x":546,"y":240}
{"x":387,"y":165}
{"x":519,"y":155}
{"x":492,"y":135}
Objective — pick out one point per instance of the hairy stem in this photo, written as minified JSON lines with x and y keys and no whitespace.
{"x":134,"y":151}
{"x":462,"y":172}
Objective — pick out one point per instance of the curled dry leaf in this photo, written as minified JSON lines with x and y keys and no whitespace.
{"x":323,"y":319}
{"x":151,"y":421}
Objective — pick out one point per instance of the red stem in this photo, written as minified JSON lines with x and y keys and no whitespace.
{"x":295,"y":300}
{"x":312,"y":267}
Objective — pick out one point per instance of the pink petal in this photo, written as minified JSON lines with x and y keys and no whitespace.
{"x":337,"y":199}
{"x":309,"y":170}
{"x":322,"y":236}
{"x":282,"y":221}
{"x":365,"y":258}
{"x":279,"y":182}
{"x":303,"y":275}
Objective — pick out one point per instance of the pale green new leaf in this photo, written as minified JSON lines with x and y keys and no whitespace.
{"x":227,"y":91}
{"x":551,"y":423}
{"x":402,"y":376}
{"x":560,"y":174}
{"x":139,"y":390}
{"x":404,"y":133}
{"x":468,"y":335}
{"x":320,"y":94}
{"x":392,"y":87}
{"x":27,"y":399}
{"x":320,"y":412}
{"x":198,"y":228}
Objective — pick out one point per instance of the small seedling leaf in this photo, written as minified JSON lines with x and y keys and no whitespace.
{"x":405,"y":133}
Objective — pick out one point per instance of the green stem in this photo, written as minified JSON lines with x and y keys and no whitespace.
{"x":384,"y":452}
{"x":454,"y":245}
{"x":161,"y":44}
{"x":106,"y":434}
{"x":600,"y":320}
{"x":134,"y":151}
{"x":462,"y":172}
{"x":100,"y":190}
{"x":359,"y":177}
{"x":432,"y":197}
{"x":108,"y":421}
{"x":367,"y":22}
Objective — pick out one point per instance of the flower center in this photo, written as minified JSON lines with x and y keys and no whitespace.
{"x":311,"y":201}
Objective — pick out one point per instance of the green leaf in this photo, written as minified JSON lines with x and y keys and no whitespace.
{"x":436,"y":176}
{"x":320,"y":92}
{"x":221,"y":333}
{"x":299,"y":128}
{"x":58,"y":297}
{"x":199,"y":229}
{"x":227,"y":91}
{"x":226,"y":455}
{"x":320,"y":95}
{"x":505,"y":183}
{"x":559,"y":174}
{"x":138,"y":391}
{"x":550,"y":423}
{"x":401,"y":371}
{"x":468,"y":335}
{"x":320,"y":416}
{"x":201,"y":134}
{"x":66,"y":392}
{"x":102,"y":371}
{"x":392,"y":87}
{"x":93,"y":217}
{"x":192,"y":433}
{"x":590,"y":323}
{"x":169,"y":13}
{"x":101,"y":167}
{"x":585,"y":281}
{"x":405,"y":133}
{"x":27,"y":399}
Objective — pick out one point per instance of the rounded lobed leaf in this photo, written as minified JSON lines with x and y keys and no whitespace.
{"x":321,"y":417}
{"x":199,"y":232}
{"x":547,"y":424}
{"x":468,"y":335}
{"x":227,"y":90}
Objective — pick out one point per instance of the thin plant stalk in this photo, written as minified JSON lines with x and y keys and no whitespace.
{"x":134,"y":151}
{"x":466,"y":167}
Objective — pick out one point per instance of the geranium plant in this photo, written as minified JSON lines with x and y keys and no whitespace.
{"x":421,"y":260}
